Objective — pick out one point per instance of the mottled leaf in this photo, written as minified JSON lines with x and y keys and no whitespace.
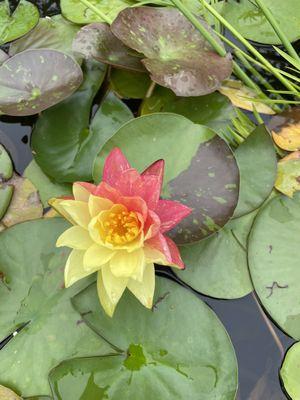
{"x":285,"y":129}
{"x":129,"y":84}
{"x":36,"y":79}
{"x":288,"y":176}
{"x":290,"y":372}
{"x":177,"y":55}
{"x":201,"y":171}
{"x":17,"y":24}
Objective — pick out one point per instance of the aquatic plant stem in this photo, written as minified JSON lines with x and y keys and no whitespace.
{"x":96,"y":11}
{"x":285,"y":41}
{"x":270,"y":327}
{"x":150,"y":90}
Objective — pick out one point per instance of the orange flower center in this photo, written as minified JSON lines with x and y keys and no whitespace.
{"x":119,"y":226}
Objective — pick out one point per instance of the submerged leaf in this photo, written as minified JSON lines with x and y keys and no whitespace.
{"x":285,"y":129}
{"x":177,"y":55}
{"x":36,"y":79}
{"x":290,"y":372}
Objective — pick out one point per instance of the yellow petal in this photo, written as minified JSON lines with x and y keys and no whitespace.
{"x":78,"y":211}
{"x":107,"y":304}
{"x":98,"y":204}
{"x":80,"y":192}
{"x":124,"y":264}
{"x":56,"y":204}
{"x":154,"y":256}
{"x":76,"y":238}
{"x":74,"y":270}
{"x":114,"y":286}
{"x":144,"y":290}
{"x":96,"y":256}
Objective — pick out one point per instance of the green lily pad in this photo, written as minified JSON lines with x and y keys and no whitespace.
{"x":6,"y":193}
{"x":256,"y":158}
{"x":34,"y":291}
{"x":76,"y":11}
{"x":12,"y":26}
{"x":288,"y":178}
{"x":129,"y":84}
{"x":6,"y":166}
{"x":52,"y":33}
{"x":290,"y":372}
{"x":177,"y":55}
{"x":70,"y":157}
{"x":46,"y":187}
{"x":274,"y":263}
{"x":249,"y":20}
{"x":168,"y":354}
{"x":97,"y":41}
{"x":200,"y":171}
{"x":36,"y":79}
{"x":217,"y":266}
{"x":213,"y":110}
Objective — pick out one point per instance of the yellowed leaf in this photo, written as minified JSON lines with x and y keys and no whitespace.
{"x":7,"y":394}
{"x":285,"y":128}
{"x":288,"y":176}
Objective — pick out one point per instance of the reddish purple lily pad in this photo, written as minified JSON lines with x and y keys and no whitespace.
{"x":177,"y":55}
{"x":37,"y":79}
{"x":97,"y":41}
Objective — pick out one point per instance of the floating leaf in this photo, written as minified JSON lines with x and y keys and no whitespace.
{"x":185,"y":355}
{"x":201,"y":171}
{"x":257,"y":162}
{"x":46,"y":187}
{"x":6,"y":190}
{"x":6,"y":167}
{"x":249,"y":20}
{"x":217,"y":266}
{"x":6,"y":193}
{"x":70,"y":157}
{"x":285,"y":129}
{"x":290,"y":372}
{"x":240,"y":95}
{"x":288,"y":176}
{"x":23,"y":19}
{"x":52,"y":33}
{"x":177,"y":55}
{"x":36,"y":79}
{"x":33,"y":268}
{"x":273,"y":249}
{"x":7,"y":394}
{"x":78,"y":12}
{"x":129,"y":84}
{"x":97,"y":41}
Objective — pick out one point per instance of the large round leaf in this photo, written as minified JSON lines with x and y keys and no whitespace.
{"x":178,"y":350}
{"x":6,"y":190}
{"x":200,"y":172}
{"x":274,"y":262}
{"x":256,"y":158}
{"x":217,"y":266}
{"x":290,"y":372}
{"x":249,"y":20}
{"x":36,"y":79}
{"x":177,"y":55}
{"x":129,"y":84}
{"x":32,"y":269}
{"x":23,"y":19}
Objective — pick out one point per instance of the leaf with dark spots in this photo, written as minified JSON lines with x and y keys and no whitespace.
{"x":177,"y":55}
{"x":97,"y":41}
{"x":285,"y":128}
{"x":36,"y":79}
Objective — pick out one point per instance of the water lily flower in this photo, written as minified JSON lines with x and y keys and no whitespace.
{"x":119,"y":230}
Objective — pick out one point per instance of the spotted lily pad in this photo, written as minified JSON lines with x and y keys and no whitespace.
{"x":36,"y":79}
{"x":288,"y":176}
{"x":7,"y":394}
{"x":23,"y":19}
{"x":186,"y":355}
{"x":249,"y":20}
{"x":290,"y":372}
{"x":97,"y":41}
{"x":273,"y":249}
{"x":34,"y":291}
{"x":177,"y":55}
{"x":201,"y":171}
{"x":285,"y":129}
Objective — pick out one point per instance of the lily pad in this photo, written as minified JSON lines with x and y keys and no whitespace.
{"x":201,"y":171}
{"x":249,"y":20}
{"x":47,"y":188}
{"x":129,"y":84}
{"x":78,"y":12}
{"x":34,"y":291}
{"x":290,"y":372}
{"x":273,"y":261}
{"x":185,"y":356}
{"x":52,"y":33}
{"x":256,"y":158}
{"x":97,"y":41}
{"x":288,"y":177}
{"x":285,"y":128}
{"x":20,"y":22}
{"x":177,"y":55}
{"x":6,"y":190}
{"x":7,"y":394}
{"x":217,"y":266}
{"x":36,"y":79}
{"x":70,"y":157}
{"x":6,"y":166}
